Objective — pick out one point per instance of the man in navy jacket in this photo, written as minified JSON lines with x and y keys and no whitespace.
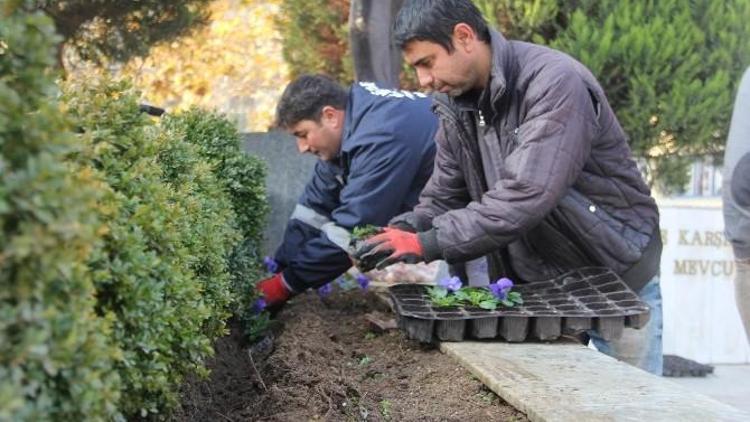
{"x":376,"y":152}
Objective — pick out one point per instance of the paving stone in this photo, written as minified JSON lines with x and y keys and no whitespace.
{"x":569,"y":382}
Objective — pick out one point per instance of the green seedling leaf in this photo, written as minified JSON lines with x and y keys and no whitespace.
{"x":490,"y":305}
{"x":461,"y":294}
{"x":437,"y":292}
{"x":363,"y":232}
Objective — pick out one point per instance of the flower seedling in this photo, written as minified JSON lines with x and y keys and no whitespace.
{"x":325,"y":290}
{"x":348,"y":282}
{"x":363,"y":232}
{"x":258,"y":306}
{"x":440,"y":294}
{"x":363,"y":281}
{"x":449,"y":293}
{"x":271,"y":265}
{"x":477,"y":297}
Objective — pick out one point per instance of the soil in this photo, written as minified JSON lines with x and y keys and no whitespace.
{"x":327,"y":364}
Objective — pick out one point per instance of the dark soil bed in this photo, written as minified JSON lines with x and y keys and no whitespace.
{"x":327,"y":365}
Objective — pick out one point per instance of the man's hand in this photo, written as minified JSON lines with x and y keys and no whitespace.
{"x":274,"y":290}
{"x":389,"y":247}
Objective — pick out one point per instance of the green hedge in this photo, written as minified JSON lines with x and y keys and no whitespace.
{"x":184,"y":198}
{"x":243,"y":177}
{"x":122,"y":248}
{"x":56,"y":360}
{"x":316,"y":38}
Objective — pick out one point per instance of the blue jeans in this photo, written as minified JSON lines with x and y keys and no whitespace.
{"x":641,"y":348}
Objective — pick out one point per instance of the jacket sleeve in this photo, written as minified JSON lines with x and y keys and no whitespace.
{"x":308,"y":257}
{"x":736,"y":189}
{"x":553,"y":143}
{"x":444,"y":191}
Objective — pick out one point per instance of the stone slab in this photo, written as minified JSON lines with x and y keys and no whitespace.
{"x":288,"y":173}
{"x":570,"y":382}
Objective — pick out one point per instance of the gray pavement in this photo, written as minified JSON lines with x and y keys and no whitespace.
{"x":728,"y":384}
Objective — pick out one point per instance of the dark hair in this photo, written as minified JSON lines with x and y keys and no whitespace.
{"x":434,"y":20}
{"x":305,"y":97}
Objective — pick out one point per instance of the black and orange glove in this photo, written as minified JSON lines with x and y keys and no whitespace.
{"x":389,"y":247}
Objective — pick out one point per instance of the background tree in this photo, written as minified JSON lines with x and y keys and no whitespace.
{"x":118,"y":30}
{"x":375,"y":57}
{"x":234,"y":65}
{"x":670,"y":70}
{"x":316,"y":38}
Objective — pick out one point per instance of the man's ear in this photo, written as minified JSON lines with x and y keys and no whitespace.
{"x":332,"y":116}
{"x":464,"y":36}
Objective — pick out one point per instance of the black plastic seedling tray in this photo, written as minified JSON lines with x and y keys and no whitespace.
{"x":588,"y":298}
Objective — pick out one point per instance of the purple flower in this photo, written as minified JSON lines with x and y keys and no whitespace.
{"x":363,"y":281}
{"x":501,"y":288}
{"x":271,"y":265}
{"x":452,"y":283}
{"x":258,"y":306}
{"x":341,"y":281}
{"x":325,"y":290}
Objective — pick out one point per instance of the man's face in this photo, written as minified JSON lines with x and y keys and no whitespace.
{"x":440,"y":71}
{"x":465,"y":68}
{"x":322,"y":139}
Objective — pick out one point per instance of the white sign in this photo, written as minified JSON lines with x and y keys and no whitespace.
{"x":701,"y":321}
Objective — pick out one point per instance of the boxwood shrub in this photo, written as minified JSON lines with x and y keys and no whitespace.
{"x":243,"y":177}
{"x":162,"y":274}
{"x":124,"y":247}
{"x":56,"y":358}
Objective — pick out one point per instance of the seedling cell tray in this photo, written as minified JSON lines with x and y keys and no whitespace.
{"x":588,"y":298}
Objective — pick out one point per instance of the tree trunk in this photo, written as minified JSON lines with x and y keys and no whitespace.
{"x":376,"y":59}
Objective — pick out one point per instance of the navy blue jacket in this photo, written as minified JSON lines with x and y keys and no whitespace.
{"x":386,"y":158}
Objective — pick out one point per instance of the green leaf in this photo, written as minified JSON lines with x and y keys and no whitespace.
{"x":462,"y":296}
{"x":437,"y":292}
{"x":488,"y":304}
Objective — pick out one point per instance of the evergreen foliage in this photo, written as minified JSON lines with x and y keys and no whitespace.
{"x":316,"y":38}
{"x":117,"y":244}
{"x":531,"y":20}
{"x":163,"y":276}
{"x":243,"y":178}
{"x":670,"y":69}
{"x":121,"y":29}
{"x":56,"y":361}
